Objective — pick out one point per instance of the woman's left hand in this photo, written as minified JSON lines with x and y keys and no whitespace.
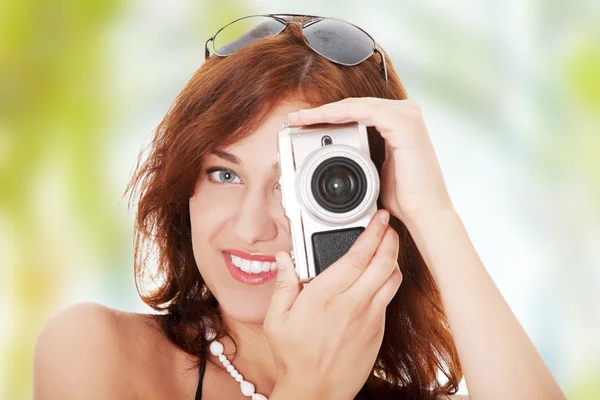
{"x":412,"y":183}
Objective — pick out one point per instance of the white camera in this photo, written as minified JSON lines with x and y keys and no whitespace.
{"x":329,"y":191}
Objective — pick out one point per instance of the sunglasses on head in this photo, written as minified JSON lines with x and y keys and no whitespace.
{"x":338,"y":41}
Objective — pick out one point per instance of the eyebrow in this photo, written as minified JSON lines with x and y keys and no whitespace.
{"x":227,"y":156}
{"x":235,"y":159}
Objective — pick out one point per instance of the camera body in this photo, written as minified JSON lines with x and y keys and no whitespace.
{"x":329,"y":191}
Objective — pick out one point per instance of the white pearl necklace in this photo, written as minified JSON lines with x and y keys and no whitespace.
{"x":216,"y":349}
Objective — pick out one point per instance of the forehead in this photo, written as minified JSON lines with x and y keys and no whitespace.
{"x":265,"y":136}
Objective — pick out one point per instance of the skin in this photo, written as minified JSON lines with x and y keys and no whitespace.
{"x":498,"y":358}
{"x":78,"y":349}
{"x":245,"y":214}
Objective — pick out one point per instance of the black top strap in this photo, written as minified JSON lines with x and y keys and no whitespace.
{"x":202,"y":370}
{"x":201,"y":377}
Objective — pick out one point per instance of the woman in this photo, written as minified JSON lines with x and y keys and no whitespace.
{"x":410,"y":301}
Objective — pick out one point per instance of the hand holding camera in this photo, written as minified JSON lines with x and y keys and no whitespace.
{"x":327,"y":335}
{"x":331,"y":330}
{"x":412,"y":183}
{"x":330,"y":186}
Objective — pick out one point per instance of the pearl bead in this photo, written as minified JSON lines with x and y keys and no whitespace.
{"x":247,"y":388}
{"x":216,"y":348}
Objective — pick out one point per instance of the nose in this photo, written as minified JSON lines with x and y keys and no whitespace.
{"x":256,"y":220}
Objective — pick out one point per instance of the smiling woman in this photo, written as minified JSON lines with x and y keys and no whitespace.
{"x":373,"y":325}
{"x":236,"y":219}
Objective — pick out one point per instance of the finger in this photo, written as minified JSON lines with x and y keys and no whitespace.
{"x":385,"y":119}
{"x":381,"y":267}
{"x":398,"y":104}
{"x":387,"y":178}
{"x":287,"y":288}
{"x":363,"y":100}
{"x":386,"y":293}
{"x":340,"y":275}
{"x":393,"y":119}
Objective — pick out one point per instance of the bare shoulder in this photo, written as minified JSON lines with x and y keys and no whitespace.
{"x":87,"y":351}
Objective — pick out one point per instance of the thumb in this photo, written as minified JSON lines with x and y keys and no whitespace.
{"x":287,"y":286}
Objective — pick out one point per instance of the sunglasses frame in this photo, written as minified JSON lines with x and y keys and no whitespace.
{"x":315,"y":18}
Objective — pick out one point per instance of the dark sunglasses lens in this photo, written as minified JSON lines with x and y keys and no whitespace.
{"x":244,"y":32}
{"x":339,"y":41}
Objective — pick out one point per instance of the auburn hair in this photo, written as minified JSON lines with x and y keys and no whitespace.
{"x":225,"y":101}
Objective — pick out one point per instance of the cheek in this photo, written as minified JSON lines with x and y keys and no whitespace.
{"x":210,"y":210}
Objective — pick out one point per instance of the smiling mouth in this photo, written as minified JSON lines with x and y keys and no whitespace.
{"x":253,"y":266}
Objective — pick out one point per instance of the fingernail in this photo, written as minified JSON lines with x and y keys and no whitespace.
{"x":384,"y":217}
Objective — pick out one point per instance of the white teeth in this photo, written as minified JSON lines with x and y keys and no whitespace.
{"x":253,"y":267}
{"x":245,"y":265}
{"x":256,"y":267}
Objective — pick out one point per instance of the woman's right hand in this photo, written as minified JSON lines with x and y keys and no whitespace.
{"x":328,"y":334}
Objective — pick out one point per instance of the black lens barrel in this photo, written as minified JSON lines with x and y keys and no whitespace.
{"x":339,"y":184}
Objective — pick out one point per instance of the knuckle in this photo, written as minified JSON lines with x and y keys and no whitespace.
{"x":354,"y":303}
{"x":413,"y":114}
{"x":280,"y":285}
{"x":355,"y":262}
{"x":397,"y":109}
{"x":394,"y":235}
{"x":413,"y":110}
{"x":389,"y":256}
{"x":398,"y":277}
{"x":375,"y":322}
{"x":383,"y":113}
{"x":376,"y":319}
{"x":316,"y":296}
{"x":412,"y":105}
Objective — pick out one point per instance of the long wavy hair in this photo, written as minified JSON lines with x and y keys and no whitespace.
{"x":225,"y":101}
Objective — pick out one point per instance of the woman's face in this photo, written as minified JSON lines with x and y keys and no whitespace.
{"x":237,"y":220}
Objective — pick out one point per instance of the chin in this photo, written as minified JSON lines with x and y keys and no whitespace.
{"x":245,"y":307}
{"x":246,"y":314}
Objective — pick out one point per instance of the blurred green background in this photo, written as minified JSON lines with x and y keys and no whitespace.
{"x":510,"y":92}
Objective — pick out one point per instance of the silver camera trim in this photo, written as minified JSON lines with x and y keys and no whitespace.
{"x":313,"y":160}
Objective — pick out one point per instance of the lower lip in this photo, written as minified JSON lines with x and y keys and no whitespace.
{"x":244,"y":277}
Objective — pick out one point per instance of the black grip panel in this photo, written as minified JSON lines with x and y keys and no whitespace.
{"x":329,"y":246}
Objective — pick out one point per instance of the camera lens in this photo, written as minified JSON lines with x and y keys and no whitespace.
{"x":339,"y":184}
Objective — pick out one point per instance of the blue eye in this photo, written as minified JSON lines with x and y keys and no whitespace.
{"x":223,"y":175}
